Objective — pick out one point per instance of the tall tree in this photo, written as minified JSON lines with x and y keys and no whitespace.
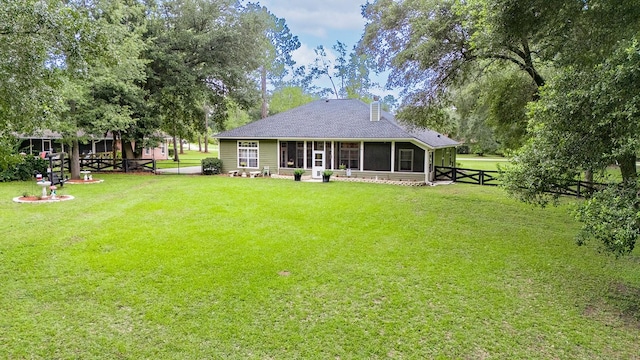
{"x":350,"y":71}
{"x":277,"y":61}
{"x":432,"y":47}
{"x":38,"y":39}
{"x":105,"y":95}
{"x":289,"y":97}
{"x":588,"y":119}
{"x":203,"y":52}
{"x":324,"y":66}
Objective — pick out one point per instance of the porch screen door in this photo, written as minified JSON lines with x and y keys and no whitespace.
{"x":318,"y":164}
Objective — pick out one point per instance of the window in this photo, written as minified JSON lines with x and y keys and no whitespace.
{"x":147,"y":151}
{"x":406,"y":160}
{"x":350,"y":155}
{"x":248,"y":154}
{"x":162,"y":148}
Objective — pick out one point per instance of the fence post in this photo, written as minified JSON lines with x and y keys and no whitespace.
{"x":481,"y":177}
{"x":454,"y":173}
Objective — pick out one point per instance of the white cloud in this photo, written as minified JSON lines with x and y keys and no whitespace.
{"x":303,"y":55}
{"x":306,"y":55}
{"x":318,"y":18}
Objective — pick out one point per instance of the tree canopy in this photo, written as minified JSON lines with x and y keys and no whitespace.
{"x":555,"y":81}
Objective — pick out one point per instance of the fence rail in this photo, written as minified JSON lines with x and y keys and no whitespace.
{"x":139,"y":165}
{"x":103,"y":164}
{"x":575,"y":188}
{"x":467,"y":176}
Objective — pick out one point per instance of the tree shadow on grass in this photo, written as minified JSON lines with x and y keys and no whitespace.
{"x":625,"y":299}
{"x":618,"y":305}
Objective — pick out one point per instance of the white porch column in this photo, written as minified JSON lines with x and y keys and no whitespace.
{"x":361,"y":155}
{"x":333,"y":153}
{"x":278,"y":155}
{"x":93,"y":146}
{"x":393,"y":156}
{"x":427,"y":168}
{"x":304,"y":158}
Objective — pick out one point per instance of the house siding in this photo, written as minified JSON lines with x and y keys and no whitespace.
{"x":445,"y":157}
{"x":379,"y":175}
{"x":418,"y":156}
{"x":267,"y":154}
{"x":228,"y":153}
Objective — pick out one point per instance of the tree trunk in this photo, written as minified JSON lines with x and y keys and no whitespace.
{"x":206,"y":129}
{"x":127,"y":150}
{"x":334,"y":86}
{"x":74,"y":160}
{"x":628,"y":170}
{"x":181,"y":147}
{"x":263,"y":77}
{"x":199,"y":143}
{"x":175,"y":149}
{"x":114,"y":149}
{"x":588,"y":176}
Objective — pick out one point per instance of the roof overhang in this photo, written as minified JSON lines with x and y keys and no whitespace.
{"x":415,"y":141}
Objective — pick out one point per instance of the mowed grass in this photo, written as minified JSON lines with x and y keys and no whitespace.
{"x":166,"y":267}
{"x":189,"y":157}
{"x":488,"y":162}
{"x":496,"y":163}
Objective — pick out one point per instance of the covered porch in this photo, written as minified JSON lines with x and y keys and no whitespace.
{"x":384,"y":160}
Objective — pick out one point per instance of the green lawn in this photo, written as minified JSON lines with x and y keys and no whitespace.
{"x":193,"y":267}
{"x":495,"y":162}
{"x":488,"y":162}
{"x":189,"y":158}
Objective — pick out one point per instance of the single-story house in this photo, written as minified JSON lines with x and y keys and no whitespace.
{"x":335,"y":134}
{"x":50,"y":142}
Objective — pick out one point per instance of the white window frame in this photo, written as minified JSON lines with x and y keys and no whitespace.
{"x":245,"y":150}
{"x":147,"y":150}
{"x":400,"y":160}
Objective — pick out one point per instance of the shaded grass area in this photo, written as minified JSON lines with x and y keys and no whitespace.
{"x":218,"y":267}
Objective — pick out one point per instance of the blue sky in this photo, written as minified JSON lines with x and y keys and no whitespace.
{"x":321,"y":22}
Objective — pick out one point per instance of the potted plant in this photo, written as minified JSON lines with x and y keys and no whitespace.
{"x":243,"y":165}
{"x":326,"y":175}
{"x":297,"y":174}
{"x":290,"y":163}
{"x":342,"y":167}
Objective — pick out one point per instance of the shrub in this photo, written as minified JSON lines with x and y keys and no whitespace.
{"x":22,"y":168}
{"x":211,"y":166}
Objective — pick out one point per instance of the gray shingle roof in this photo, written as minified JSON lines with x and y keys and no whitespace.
{"x":334,"y":120}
